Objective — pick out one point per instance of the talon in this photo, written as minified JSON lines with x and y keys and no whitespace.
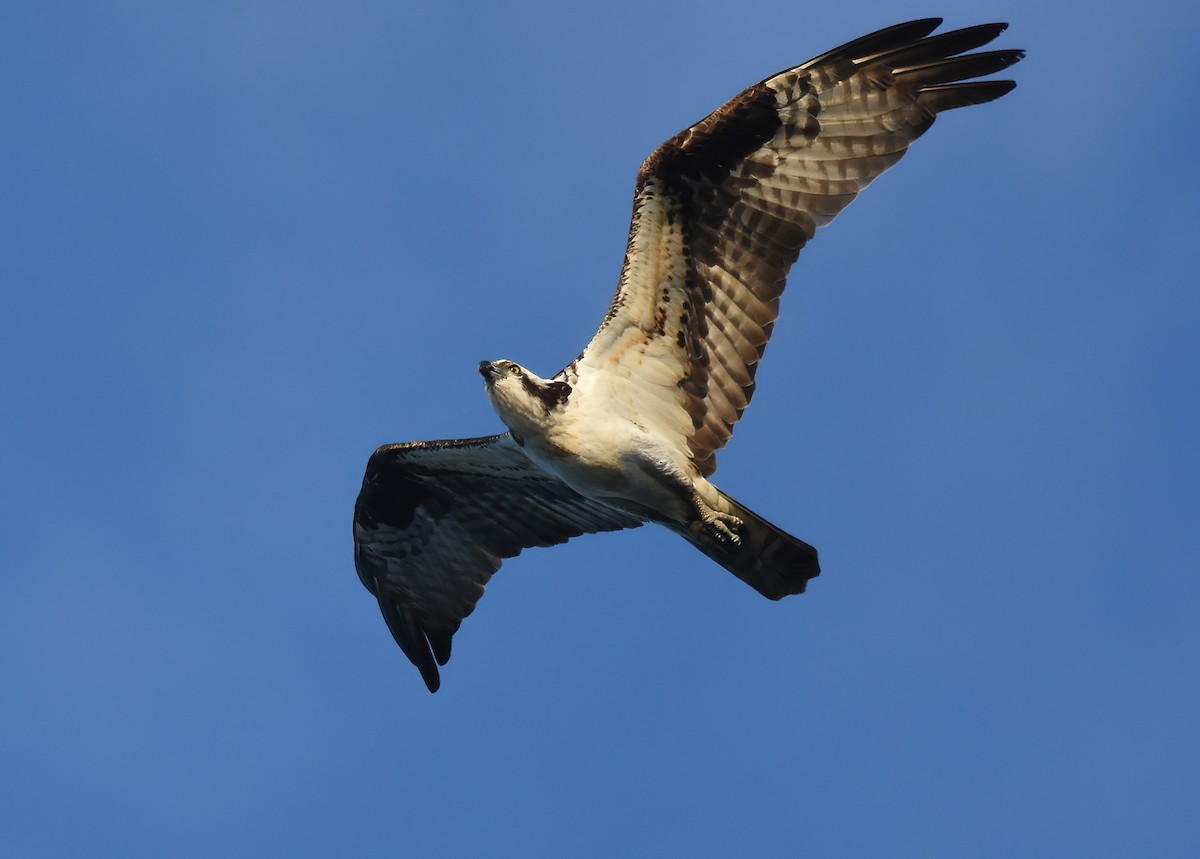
{"x":722,"y":525}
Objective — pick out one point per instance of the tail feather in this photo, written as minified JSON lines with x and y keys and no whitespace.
{"x":768,"y":559}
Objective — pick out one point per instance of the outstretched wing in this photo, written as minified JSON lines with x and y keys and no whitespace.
{"x":722,"y":210}
{"x":435,"y":518}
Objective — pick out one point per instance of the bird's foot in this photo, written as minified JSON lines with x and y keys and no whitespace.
{"x":721,"y":525}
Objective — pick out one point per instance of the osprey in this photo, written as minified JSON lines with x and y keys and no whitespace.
{"x":628,"y":432}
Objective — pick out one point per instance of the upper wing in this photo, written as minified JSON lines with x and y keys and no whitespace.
{"x":722,"y":210}
{"x":435,"y":518}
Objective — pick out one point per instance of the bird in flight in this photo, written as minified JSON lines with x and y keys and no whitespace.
{"x":628,"y":432}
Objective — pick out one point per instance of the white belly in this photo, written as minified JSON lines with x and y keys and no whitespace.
{"x":617,"y":463}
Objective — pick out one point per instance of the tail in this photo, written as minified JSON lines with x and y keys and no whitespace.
{"x":768,"y":559}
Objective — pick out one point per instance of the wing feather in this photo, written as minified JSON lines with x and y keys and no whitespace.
{"x":434,"y":521}
{"x":722,"y":210}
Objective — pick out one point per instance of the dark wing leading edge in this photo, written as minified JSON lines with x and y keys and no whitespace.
{"x":435,"y":518}
{"x":722,"y":210}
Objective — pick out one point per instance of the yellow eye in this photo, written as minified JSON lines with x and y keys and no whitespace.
{"x":515,"y":370}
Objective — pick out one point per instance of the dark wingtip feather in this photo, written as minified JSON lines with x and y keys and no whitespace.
{"x":941,"y":46}
{"x":881,"y":40}
{"x":959,"y":68}
{"x":412,"y":640}
{"x":968,"y":38}
{"x":951,"y":96}
{"x":439,"y":642}
{"x":433,"y":682}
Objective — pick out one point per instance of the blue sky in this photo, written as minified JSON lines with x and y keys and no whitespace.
{"x":244,"y":244}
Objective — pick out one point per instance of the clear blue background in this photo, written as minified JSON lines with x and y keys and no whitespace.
{"x":245,"y":243}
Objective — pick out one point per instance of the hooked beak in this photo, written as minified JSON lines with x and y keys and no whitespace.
{"x":487,"y":369}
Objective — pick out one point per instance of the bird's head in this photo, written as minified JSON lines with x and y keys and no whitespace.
{"x":522,"y":399}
